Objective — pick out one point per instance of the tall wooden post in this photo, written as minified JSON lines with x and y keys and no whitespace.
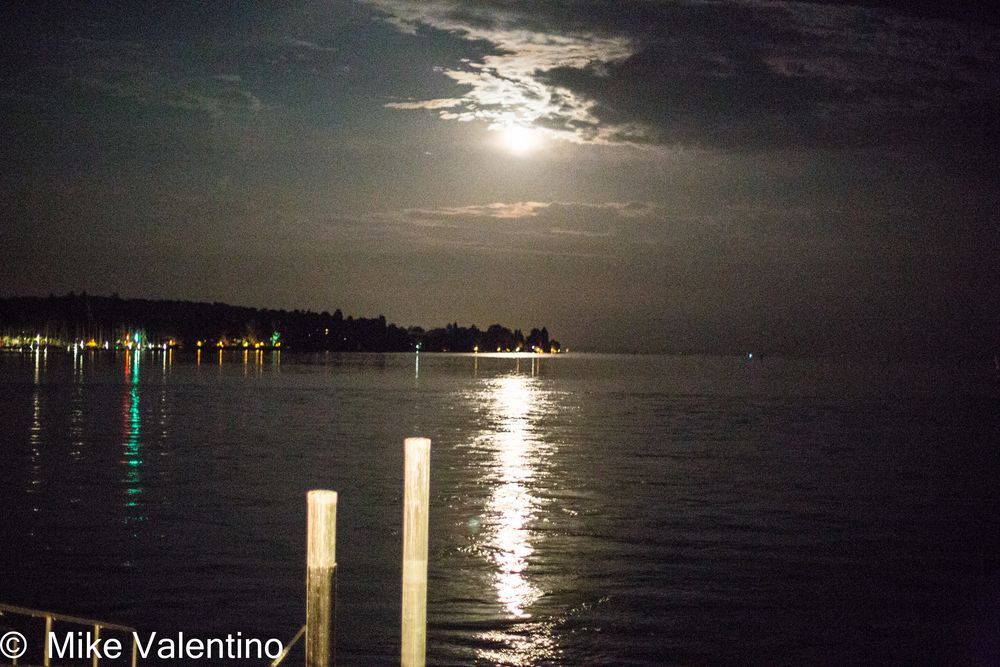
{"x":321,"y":577}
{"x":416,"y":502}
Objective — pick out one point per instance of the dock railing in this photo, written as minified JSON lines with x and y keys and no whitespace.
{"x":49,"y":618}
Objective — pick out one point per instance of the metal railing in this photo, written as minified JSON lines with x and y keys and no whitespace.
{"x":51,"y":617}
{"x":288,"y":647}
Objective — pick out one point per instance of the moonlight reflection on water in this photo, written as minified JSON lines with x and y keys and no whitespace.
{"x":515,"y":405}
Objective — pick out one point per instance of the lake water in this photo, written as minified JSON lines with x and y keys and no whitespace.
{"x":586,"y":509}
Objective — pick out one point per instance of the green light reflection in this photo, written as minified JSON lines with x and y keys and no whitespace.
{"x":132,"y":426}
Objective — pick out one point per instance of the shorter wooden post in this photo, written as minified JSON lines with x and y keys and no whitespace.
{"x":416,"y":503}
{"x":321,"y":577}
{"x":46,"y":659}
{"x":97,"y":635}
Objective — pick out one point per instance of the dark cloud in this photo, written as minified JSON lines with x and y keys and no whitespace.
{"x":730,"y":75}
{"x":822,"y":76}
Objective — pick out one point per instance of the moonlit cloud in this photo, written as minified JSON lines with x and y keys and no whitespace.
{"x":515,"y":210}
{"x":445,"y":103}
{"x":566,"y":211}
{"x":504,"y":89}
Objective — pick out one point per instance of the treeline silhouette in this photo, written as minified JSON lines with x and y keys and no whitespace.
{"x":82,"y":317}
{"x":496,"y":338}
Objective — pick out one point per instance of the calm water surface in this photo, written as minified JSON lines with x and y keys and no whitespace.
{"x":586,"y":509}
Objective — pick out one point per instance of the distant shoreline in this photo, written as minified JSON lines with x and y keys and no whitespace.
{"x":82,"y":321}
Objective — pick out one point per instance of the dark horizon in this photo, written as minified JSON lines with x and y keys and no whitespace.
{"x":811,"y":178}
{"x":239,"y":316}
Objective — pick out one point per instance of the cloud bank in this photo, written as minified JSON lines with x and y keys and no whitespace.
{"x":729,"y":75}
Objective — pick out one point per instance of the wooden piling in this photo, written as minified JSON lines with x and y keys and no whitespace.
{"x":416,"y":503}
{"x":46,"y":658}
{"x":321,"y":577}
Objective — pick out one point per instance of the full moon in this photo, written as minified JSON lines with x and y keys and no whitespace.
{"x":519,"y":139}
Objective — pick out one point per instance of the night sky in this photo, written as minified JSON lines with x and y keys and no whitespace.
{"x":651,"y":176}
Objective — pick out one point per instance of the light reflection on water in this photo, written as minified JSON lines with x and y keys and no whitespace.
{"x":36,"y":426}
{"x":131,"y":430}
{"x":515,"y":404}
{"x":511,"y":505}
